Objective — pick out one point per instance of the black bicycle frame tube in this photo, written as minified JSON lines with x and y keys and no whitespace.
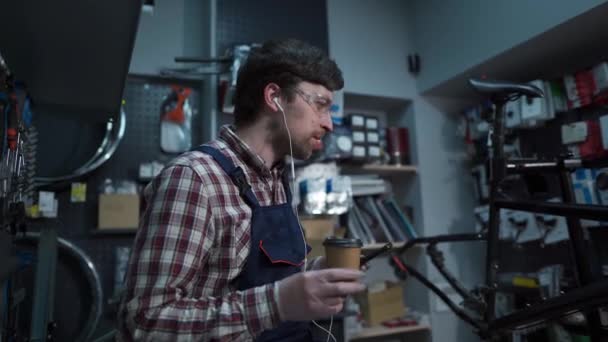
{"x":453,"y":306}
{"x":442,"y":238}
{"x":523,"y":166}
{"x":528,"y":165}
{"x":497,"y":173}
{"x":578,"y":299}
{"x":437,"y":260}
{"x":583,"y":211}
{"x":581,"y":298}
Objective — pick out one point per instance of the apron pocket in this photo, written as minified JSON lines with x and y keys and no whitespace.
{"x":278,"y":253}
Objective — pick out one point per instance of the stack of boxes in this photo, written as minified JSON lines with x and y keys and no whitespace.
{"x":381,"y":302}
{"x":372,"y":139}
{"x":366,"y":137}
{"x":600,"y":78}
{"x":579,"y":88}
{"x":534,"y":112}
{"x":590,"y":188}
{"x":587,"y":86}
{"x":584,"y":139}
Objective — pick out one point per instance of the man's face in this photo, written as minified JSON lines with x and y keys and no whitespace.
{"x":308,"y":118}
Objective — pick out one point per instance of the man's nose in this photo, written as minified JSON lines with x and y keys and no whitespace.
{"x":327,"y":123}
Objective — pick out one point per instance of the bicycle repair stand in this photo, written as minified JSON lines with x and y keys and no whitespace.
{"x":42,"y":322}
{"x":591,"y":293}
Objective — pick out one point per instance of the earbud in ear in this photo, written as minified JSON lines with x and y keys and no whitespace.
{"x":276,"y":100}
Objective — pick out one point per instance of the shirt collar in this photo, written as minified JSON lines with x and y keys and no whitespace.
{"x":246,"y":154}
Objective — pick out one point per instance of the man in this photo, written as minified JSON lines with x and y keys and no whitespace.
{"x":219,"y":252}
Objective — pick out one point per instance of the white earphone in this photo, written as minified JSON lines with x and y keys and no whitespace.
{"x":276,"y":100}
{"x":293,"y":178}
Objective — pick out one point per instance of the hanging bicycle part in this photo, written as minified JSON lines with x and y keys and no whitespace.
{"x":57,"y":259}
{"x":114,"y":134}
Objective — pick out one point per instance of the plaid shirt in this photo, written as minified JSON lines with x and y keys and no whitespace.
{"x":192,"y":243}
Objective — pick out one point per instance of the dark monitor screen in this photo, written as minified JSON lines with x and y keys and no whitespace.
{"x":73,"y":55}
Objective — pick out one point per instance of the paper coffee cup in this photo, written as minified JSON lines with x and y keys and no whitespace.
{"x":342,"y":253}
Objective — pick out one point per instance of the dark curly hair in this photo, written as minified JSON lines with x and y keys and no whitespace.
{"x":286,"y":63}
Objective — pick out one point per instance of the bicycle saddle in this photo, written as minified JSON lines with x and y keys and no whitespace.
{"x":505,"y":88}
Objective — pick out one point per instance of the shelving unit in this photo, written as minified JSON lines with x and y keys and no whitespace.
{"x":358,"y":193}
{"x":390,"y":168}
{"x":402,"y":183}
{"x":114,"y":231}
{"x":391,"y":112}
{"x":381,"y":331}
{"x":382,"y":169}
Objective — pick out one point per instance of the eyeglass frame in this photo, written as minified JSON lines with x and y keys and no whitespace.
{"x":313,"y":101}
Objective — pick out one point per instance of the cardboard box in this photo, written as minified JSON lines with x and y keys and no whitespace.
{"x":317,"y":249}
{"x":316,"y":230}
{"x":118,"y":211}
{"x":383,"y":305}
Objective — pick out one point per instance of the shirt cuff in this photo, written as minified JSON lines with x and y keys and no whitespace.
{"x":277,"y":303}
{"x":261,"y":308}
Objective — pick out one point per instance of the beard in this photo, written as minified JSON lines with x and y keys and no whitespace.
{"x":301,"y":151}
{"x":301,"y":147}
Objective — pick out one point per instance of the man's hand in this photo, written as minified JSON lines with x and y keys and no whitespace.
{"x":316,"y":294}
{"x":320,"y":263}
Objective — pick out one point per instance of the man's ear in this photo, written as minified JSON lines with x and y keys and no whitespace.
{"x":272,"y":94}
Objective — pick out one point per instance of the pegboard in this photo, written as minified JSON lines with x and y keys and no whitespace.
{"x":77,"y":222}
{"x":66,"y":142}
{"x":143,"y":98}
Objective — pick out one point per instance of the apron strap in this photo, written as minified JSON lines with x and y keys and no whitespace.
{"x":236,"y":173}
{"x":287,"y":186}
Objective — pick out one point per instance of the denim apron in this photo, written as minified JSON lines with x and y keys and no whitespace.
{"x":277,"y":249}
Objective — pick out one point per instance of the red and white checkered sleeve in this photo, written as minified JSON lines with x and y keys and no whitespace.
{"x":171,"y":248}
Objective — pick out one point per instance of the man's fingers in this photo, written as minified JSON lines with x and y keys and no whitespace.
{"x":322,"y":262}
{"x":333,"y":301}
{"x":335,"y":309}
{"x":341,"y":282}
{"x":341,"y":289}
{"x":341,"y":274}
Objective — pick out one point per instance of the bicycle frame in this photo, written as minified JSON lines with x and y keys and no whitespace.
{"x":591,"y":293}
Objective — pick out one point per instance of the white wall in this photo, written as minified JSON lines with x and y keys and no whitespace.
{"x":452,"y":36}
{"x":369,"y":41}
{"x":447,"y":205}
{"x":160,"y":37}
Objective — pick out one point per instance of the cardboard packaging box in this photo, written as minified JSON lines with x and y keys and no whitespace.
{"x":118,"y":211}
{"x":316,"y":230}
{"x":382,"y":305}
